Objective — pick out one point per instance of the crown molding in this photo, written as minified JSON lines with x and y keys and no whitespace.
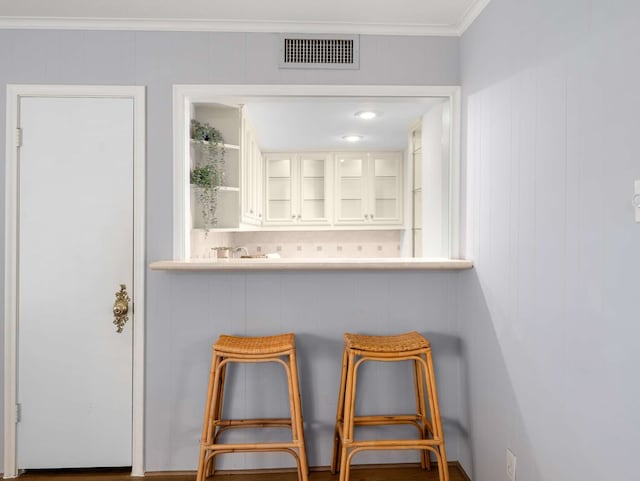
{"x":205,"y":25}
{"x":471,"y":14}
{"x":209,"y":25}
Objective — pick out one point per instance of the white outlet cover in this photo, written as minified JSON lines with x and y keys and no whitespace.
{"x":511,"y":466}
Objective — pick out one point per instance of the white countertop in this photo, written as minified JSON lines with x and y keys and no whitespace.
{"x":382,"y":263}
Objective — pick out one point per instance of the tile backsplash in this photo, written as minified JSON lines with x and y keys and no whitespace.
{"x":302,"y":244}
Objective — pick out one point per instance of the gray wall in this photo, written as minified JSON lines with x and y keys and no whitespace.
{"x":549,"y":316}
{"x":187,"y":311}
{"x":191,"y":310}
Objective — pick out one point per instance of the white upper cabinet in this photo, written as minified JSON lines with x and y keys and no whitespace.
{"x":297,"y":191}
{"x":351,"y":188}
{"x":279,"y":189}
{"x":252,"y":176}
{"x":314,"y":188}
{"x":386,"y":202}
{"x":369,"y":188}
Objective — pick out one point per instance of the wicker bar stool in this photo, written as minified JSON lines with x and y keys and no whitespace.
{"x":279,"y":349}
{"x":404,"y":347}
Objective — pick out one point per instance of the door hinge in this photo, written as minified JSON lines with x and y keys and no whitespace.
{"x":18,"y":413}
{"x":18,"y":137}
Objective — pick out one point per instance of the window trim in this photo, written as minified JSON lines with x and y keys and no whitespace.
{"x":185,"y":95}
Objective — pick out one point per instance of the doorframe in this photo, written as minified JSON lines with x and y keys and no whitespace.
{"x":14,"y":93}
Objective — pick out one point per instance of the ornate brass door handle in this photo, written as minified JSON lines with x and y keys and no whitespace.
{"x":121,"y":308}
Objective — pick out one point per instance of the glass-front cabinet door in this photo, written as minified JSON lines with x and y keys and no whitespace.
{"x":385,"y":206}
{"x":279,"y":189}
{"x":297,"y":191}
{"x":369,"y":188}
{"x":351,"y":188}
{"x":314,"y":196}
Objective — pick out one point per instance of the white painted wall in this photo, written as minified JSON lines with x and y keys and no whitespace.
{"x":436,"y":133}
{"x":549,"y":316}
{"x":186,"y":312}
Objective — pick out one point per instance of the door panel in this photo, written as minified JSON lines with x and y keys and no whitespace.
{"x":386,"y":203}
{"x":314,"y":193}
{"x":280,"y":201}
{"x":76,"y":248}
{"x":351,"y":188}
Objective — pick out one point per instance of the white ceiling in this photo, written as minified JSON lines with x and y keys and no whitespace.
{"x":408,"y":17}
{"x":309,"y":124}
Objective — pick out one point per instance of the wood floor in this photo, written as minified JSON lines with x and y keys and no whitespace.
{"x":376,"y":473}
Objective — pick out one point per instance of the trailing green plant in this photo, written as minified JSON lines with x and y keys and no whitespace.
{"x":205,"y":176}
{"x":205,"y":133}
{"x":207,"y":173}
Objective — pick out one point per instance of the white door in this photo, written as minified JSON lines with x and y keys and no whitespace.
{"x":75,"y":249}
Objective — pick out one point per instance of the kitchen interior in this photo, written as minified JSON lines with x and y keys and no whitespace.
{"x":321,"y":177}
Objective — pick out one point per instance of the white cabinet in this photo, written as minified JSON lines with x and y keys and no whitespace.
{"x":351,"y":188}
{"x":369,"y":188}
{"x":279,"y":189}
{"x":239,"y":200}
{"x":297,"y":191}
{"x":415,"y":149}
{"x":252,"y":175}
{"x":216,"y":204}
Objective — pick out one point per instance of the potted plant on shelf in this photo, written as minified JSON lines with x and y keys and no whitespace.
{"x":207,"y":173}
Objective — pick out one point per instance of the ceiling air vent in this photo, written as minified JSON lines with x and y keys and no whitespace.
{"x":320,"y":51}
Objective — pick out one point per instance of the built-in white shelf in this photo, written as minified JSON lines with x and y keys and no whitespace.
{"x":226,"y":146}
{"x":386,"y":263}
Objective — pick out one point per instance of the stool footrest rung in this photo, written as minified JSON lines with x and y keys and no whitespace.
{"x":382,"y":419}
{"x":249,"y":423}
{"x":394,"y":443}
{"x":251,"y":447}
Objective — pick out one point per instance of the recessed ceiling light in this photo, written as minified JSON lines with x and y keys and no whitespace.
{"x":352,"y":138}
{"x":366,"y":115}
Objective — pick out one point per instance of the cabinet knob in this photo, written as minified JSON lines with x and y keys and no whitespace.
{"x":299,"y":217}
{"x":366,"y":216}
{"x":250,"y":211}
{"x":371,"y":215}
{"x":293,"y":216}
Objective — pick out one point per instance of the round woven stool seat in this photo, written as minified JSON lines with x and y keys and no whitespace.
{"x":409,"y":341}
{"x":255,"y":345}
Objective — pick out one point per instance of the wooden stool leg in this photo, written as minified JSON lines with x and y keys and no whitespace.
{"x":443,"y":469}
{"x":220,"y":395}
{"x":297,"y":415}
{"x":436,"y":421}
{"x":337,"y":444}
{"x":349,"y":412}
{"x":211,"y":466}
{"x":421,"y":410}
{"x":210,"y":407}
